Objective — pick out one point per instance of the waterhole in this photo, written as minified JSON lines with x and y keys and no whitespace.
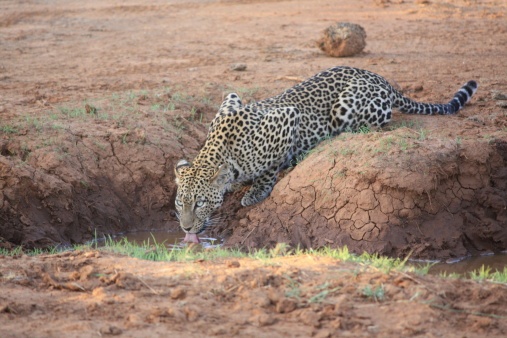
{"x":169,"y":239}
{"x":462,"y":266}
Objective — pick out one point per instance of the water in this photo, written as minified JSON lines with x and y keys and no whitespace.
{"x":169,"y":239}
{"x":465,"y":265}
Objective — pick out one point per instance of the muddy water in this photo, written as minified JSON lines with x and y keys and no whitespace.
{"x":469,"y":264}
{"x":169,"y":239}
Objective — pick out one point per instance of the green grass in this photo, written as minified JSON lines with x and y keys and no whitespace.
{"x":294,"y":289}
{"x":151,"y":250}
{"x":322,"y":292}
{"x":375,"y":294}
{"x":485,"y":273}
{"x":159,"y":252}
{"x":8,"y":129}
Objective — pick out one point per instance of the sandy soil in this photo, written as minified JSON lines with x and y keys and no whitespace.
{"x":90,"y":294}
{"x":98,"y":100}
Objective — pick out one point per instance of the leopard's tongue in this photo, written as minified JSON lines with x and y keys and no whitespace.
{"x":192,"y":238}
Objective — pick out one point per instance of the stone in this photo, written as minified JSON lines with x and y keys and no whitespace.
{"x":343,"y":39}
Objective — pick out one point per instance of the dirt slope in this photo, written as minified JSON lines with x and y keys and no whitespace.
{"x":431,"y":192}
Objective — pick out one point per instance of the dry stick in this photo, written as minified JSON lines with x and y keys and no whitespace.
{"x":149,"y":287}
{"x":244,"y":239}
{"x":291,"y":78}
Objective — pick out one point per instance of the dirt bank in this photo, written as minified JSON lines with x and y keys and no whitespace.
{"x":431,"y":191}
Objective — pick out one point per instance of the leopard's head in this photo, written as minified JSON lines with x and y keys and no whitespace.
{"x":200,"y":193}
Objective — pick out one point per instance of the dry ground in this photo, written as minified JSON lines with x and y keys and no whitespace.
{"x":90,"y":294}
{"x":154,"y":72}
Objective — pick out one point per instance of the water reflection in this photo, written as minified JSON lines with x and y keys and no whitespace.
{"x":463,"y":266}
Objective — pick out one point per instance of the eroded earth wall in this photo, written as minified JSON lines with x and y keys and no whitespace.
{"x":90,"y":180}
{"x":395,"y":193}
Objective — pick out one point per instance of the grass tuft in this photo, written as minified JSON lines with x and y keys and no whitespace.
{"x":151,"y":250}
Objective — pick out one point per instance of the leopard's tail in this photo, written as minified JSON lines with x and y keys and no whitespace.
{"x":408,"y":106}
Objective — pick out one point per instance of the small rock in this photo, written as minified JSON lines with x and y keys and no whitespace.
{"x":192,"y":313}
{"x":343,"y":39}
{"x":91,"y":254}
{"x":285,"y":305}
{"x":262,"y":320}
{"x":311,"y":318}
{"x":134,"y":320}
{"x":111,"y":330}
{"x":502,"y":104}
{"x":85,"y":272}
{"x":239,"y":67}
{"x":233,"y":264}
{"x":418,"y":88}
{"x":178,"y":293}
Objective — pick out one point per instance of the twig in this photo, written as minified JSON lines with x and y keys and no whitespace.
{"x":244,"y":239}
{"x":149,"y":287}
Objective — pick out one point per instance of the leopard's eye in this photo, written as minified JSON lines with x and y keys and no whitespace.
{"x":179,"y":203}
{"x":200,"y":203}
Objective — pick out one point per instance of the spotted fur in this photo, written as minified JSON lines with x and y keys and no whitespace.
{"x":254,"y":142}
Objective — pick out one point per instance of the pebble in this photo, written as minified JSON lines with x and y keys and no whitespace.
{"x":178,"y":293}
{"x":263,"y":320}
{"x":310,"y":318}
{"x":239,"y":67}
{"x":111,"y":330}
{"x":233,"y":264}
{"x":285,"y":305}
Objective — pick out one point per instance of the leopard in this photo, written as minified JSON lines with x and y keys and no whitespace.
{"x":251,"y":143}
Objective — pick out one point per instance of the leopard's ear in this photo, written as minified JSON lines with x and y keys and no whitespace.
{"x":221,"y":177}
{"x":177,"y":169}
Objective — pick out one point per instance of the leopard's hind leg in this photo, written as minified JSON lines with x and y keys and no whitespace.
{"x":360,"y":104}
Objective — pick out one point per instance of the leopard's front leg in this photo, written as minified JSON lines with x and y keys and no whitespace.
{"x":261,"y":187}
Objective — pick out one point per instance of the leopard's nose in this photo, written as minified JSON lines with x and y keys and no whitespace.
{"x":187,"y":229}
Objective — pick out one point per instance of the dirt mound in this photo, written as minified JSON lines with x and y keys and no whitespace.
{"x":89,"y":172}
{"x":306,"y":296}
{"x":433,"y":194}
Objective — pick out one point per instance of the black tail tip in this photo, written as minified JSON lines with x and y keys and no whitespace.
{"x":472,"y":84}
